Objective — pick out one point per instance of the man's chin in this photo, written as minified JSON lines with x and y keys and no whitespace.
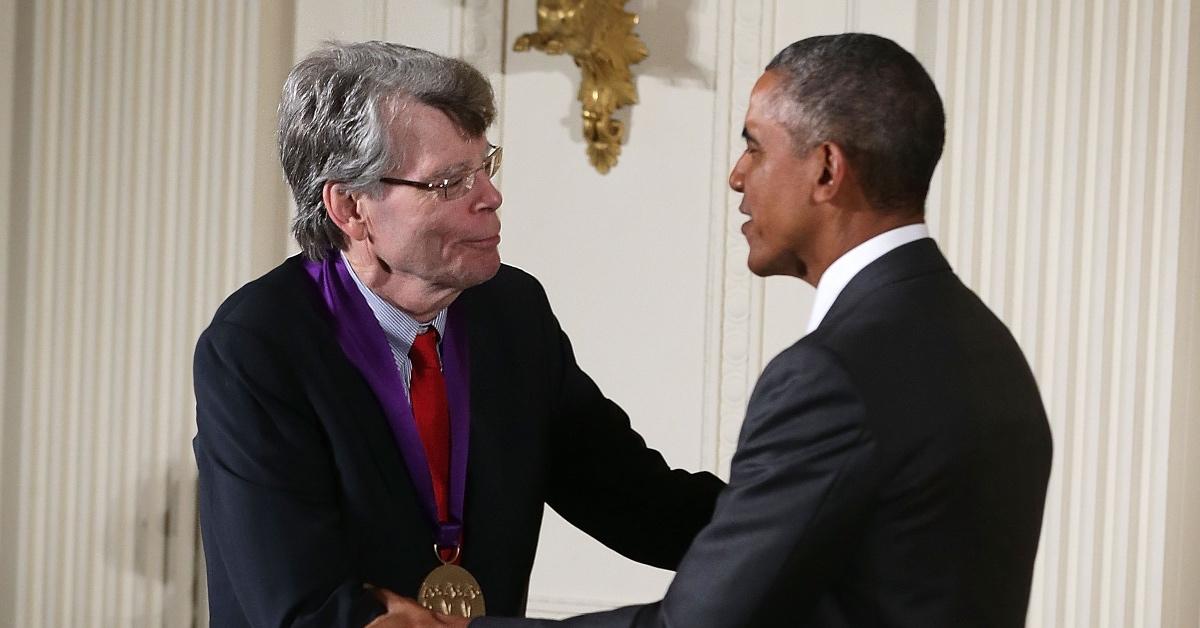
{"x":480,"y":273}
{"x":491,"y":273}
{"x":760,"y":267}
{"x":774,"y":268}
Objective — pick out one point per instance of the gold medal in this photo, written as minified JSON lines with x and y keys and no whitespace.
{"x":451,"y":590}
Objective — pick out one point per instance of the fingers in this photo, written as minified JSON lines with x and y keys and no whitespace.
{"x":403,"y":612}
{"x":390,"y":599}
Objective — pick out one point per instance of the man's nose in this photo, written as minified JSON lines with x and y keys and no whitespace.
{"x":490,"y":197}
{"x":736,"y":179}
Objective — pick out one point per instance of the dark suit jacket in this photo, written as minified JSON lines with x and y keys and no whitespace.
{"x":891,"y":471}
{"x":304,"y":496}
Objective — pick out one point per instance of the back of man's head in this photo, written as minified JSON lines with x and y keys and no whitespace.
{"x":873,"y":99}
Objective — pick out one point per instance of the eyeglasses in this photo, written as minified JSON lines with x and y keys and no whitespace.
{"x":458,"y":187}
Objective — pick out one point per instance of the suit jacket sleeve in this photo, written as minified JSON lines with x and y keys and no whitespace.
{"x":268,"y":502}
{"x":800,"y":478}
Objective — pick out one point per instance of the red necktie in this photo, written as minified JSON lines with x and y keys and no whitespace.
{"x":432,"y":414}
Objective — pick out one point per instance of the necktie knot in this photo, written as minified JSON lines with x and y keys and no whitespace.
{"x":424,"y":353}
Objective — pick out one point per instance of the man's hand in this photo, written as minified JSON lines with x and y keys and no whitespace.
{"x":405,"y":613}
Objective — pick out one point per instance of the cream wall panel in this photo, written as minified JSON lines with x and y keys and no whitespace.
{"x":319,"y":20}
{"x":436,"y":26}
{"x":142,"y":209}
{"x":733,"y":350}
{"x":9,"y":309}
{"x":1059,"y":199}
{"x":1181,"y":564}
{"x":467,"y":28}
{"x":621,"y":256}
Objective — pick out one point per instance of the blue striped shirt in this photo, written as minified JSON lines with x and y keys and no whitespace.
{"x":400,"y":328}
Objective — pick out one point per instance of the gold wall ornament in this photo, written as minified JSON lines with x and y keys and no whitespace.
{"x":599,"y":35}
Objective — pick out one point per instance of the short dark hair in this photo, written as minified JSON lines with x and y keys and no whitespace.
{"x":337,"y":107}
{"x":873,"y":99}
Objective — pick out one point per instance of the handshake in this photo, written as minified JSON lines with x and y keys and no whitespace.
{"x":403,"y":612}
{"x":891,"y":468}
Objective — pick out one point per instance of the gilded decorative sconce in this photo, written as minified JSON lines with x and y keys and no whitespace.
{"x":599,"y":35}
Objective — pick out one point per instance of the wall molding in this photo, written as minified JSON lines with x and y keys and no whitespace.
{"x":1063,"y":211}
{"x":143,"y":199}
{"x":735,"y":296}
{"x":13,"y":71}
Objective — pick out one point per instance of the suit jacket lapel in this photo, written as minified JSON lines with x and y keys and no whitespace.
{"x":367,"y":419}
{"x":485,"y":450}
{"x":504,"y":482}
{"x":361,"y":410}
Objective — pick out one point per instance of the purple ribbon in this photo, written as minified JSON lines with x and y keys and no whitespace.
{"x":365,"y":344}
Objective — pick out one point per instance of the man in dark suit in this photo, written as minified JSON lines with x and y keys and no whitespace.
{"x":892,"y":467}
{"x":395,"y":403}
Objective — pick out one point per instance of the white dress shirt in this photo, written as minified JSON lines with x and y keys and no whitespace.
{"x":400,"y":328}
{"x":844,"y":268}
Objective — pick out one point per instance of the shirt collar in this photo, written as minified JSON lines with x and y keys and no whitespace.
{"x":400,"y":328}
{"x":846,"y":267}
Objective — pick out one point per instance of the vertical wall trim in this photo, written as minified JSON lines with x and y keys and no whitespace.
{"x":139,"y":195}
{"x":1063,"y":212}
{"x":740,"y":61}
{"x":15,"y":25}
{"x":1168,"y":556}
{"x":711,"y":407}
{"x":1179,"y":578}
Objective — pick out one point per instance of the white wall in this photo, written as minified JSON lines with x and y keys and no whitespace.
{"x":1063,"y":198}
{"x":1181,"y":552}
{"x":143,"y":183}
{"x":9,"y":435}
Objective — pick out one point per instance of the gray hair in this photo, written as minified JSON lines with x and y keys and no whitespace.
{"x":337,"y":107}
{"x":873,"y":99}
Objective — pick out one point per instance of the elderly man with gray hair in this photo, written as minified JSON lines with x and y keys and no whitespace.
{"x":390,"y":411}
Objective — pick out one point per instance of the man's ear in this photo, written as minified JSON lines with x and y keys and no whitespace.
{"x":342,"y":207}
{"x":833,"y":172}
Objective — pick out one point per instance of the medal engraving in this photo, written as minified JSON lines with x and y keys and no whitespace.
{"x":451,"y":590}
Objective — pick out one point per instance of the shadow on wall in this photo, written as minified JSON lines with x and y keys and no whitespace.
{"x":665,"y":26}
{"x":154,"y":546}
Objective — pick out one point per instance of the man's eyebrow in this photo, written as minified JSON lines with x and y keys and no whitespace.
{"x":451,"y":170}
